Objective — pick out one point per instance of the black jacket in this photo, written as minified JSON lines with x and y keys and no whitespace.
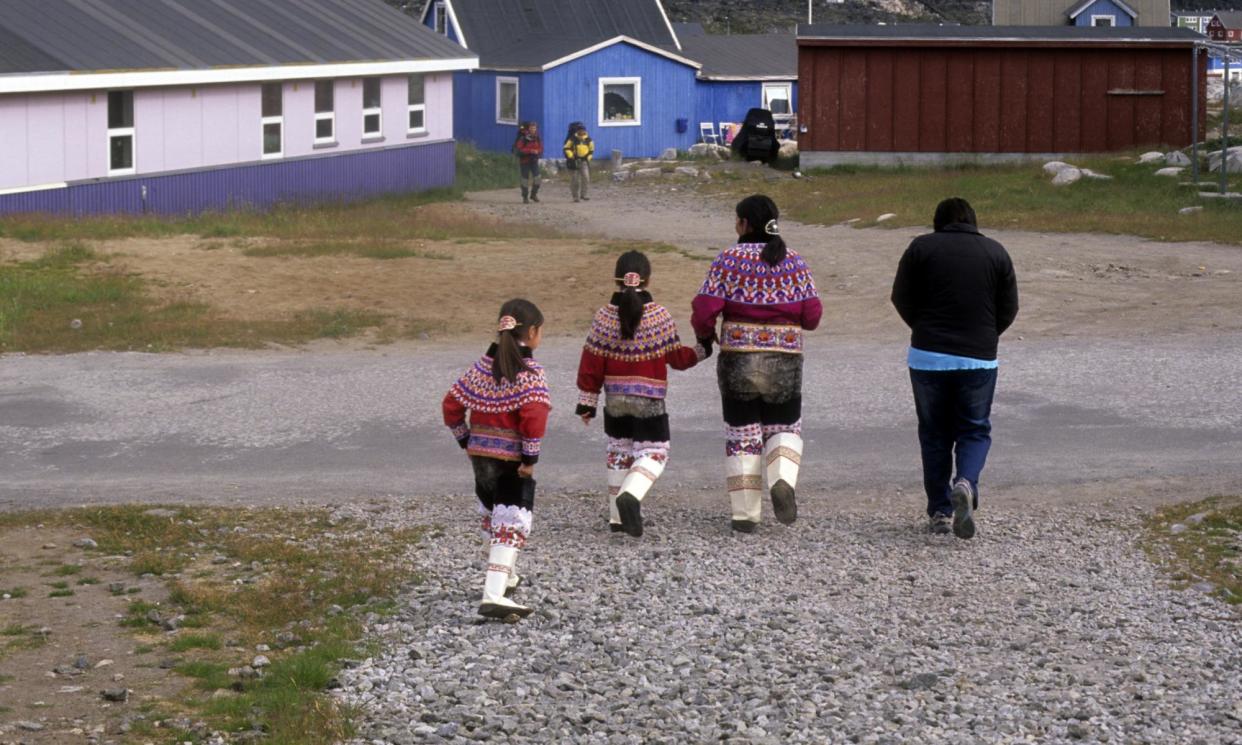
{"x":957,"y":292}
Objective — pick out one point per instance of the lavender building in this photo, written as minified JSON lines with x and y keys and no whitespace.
{"x":180,"y":106}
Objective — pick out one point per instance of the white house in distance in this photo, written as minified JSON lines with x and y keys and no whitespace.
{"x":180,"y":106}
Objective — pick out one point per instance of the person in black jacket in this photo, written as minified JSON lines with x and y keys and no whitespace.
{"x":957,"y":292}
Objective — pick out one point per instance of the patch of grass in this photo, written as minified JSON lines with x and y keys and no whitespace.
{"x":16,"y":592}
{"x":16,"y":637}
{"x":64,"y":593}
{"x":1208,"y":548}
{"x":62,"y":585}
{"x":136,"y":614}
{"x":65,"y":570}
{"x":88,"y":581}
{"x":58,"y":303}
{"x":386,"y":249}
{"x":1018,"y":197}
{"x":144,"y":649}
{"x":195,"y":641}
{"x":13,"y":629}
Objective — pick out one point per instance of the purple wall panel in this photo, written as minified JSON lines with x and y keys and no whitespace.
{"x":345,"y":177}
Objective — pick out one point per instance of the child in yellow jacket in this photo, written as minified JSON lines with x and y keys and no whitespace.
{"x":579,"y":149}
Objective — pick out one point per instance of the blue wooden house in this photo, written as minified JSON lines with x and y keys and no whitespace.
{"x":621,"y":68}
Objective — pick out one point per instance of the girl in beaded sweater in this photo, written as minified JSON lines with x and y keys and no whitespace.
{"x":506,"y":398}
{"x":632,"y":343}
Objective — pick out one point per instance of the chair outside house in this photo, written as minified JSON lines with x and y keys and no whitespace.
{"x":707,"y":133}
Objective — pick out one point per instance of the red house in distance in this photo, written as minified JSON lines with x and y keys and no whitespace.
{"x":942,"y":94}
{"x":1226,"y":27}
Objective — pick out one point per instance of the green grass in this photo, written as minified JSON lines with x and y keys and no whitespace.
{"x":382,"y":249}
{"x":65,"y":570}
{"x":13,"y":629}
{"x":1013,"y":197}
{"x":61,"y":593}
{"x":59,"y":585}
{"x":1208,"y":549}
{"x":70,"y":300}
{"x":16,"y":637}
{"x":14,"y":593}
{"x":195,"y":641}
{"x":88,"y":581}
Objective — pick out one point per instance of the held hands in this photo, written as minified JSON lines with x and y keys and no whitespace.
{"x":526,"y":470}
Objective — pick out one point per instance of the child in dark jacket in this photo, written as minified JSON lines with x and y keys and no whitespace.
{"x":505,"y":395}
{"x":633,"y":342}
{"x":529,"y":149}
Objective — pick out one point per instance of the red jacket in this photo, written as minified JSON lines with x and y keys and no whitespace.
{"x":529,"y":149}
{"x":631,"y":367}
{"x":507,"y":419}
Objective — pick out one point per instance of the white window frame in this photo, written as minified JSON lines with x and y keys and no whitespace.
{"x":266,"y":120}
{"x":637,"y":121}
{"x":517,"y":99}
{"x":767,"y":100}
{"x":325,"y":116}
{"x":1112,"y":20}
{"x":133,"y":142}
{"x":412,"y":107}
{"x":440,"y":18}
{"x":373,"y":111}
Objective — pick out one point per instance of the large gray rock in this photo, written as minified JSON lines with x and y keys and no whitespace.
{"x":1067,"y":176}
{"x":1170,"y":172}
{"x":789,"y":149}
{"x":648,"y":173}
{"x":1177,"y":158}
{"x":1154,"y":156}
{"x":1053,"y":167}
{"x":690,"y":171}
{"x":669,"y":154}
{"x":1233,"y":158}
{"x":704,"y":150}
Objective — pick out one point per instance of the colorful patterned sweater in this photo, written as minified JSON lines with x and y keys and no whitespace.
{"x":765,"y":308}
{"x":631,"y":367}
{"x":507,"y":419}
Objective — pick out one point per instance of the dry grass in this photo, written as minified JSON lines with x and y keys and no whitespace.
{"x":1013,"y":197}
{"x":1207,"y":549}
{"x":247,"y":576}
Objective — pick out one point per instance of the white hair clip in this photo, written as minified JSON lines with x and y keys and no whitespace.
{"x":772,"y":228}
{"x":632,"y":279}
{"x":507,"y":323}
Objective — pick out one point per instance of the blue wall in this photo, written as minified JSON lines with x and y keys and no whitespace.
{"x":1104,"y":8}
{"x":329,"y":178}
{"x":728,"y":101}
{"x":474,"y":110}
{"x":668,"y":93}
{"x":430,"y":23}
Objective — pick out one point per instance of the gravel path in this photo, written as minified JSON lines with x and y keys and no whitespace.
{"x":1049,"y":627}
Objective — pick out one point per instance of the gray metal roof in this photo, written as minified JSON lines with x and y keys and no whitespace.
{"x":686,"y":29}
{"x":1231,"y":18}
{"x":755,"y":56}
{"x":926,"y":32}
{"x":98,"y":35}
{"x":531,"y":33}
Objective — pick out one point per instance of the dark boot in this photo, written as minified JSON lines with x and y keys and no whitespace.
{"x":525,"y":196}
{"x":534,"y":193}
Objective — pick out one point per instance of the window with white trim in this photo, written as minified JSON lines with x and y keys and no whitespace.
{"x":1106,"y":20}
{"x":372,"y":111}
{"x":620,"y":102}
{"x":120,"y":133}
{"x":272,"y":120}
{"x":325,"y":111}
{"x":778,"y":98}
{"x":416,"y":117}
{"x":507,"y":92}
{"x":441,"y":18}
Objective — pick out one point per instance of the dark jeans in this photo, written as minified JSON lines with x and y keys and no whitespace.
{"x":954,"y":428}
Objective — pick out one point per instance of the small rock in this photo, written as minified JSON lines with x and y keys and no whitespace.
{"x":1176,"y":528}
{"x":1154,"y":156}
{"x":1190,"y":210}
{"x":1204,"y":587}
{"x":1177,"y":158}
{"x":172,"y":623}
{"x":669,"y":154}
{"x":1198,"y":517}
{"x":1078,"y":731}
{"x":686,"y":171}
{"x":119,"y":695}
{"x":116,"y":587}
{"x":335,"y":610}
{"x":1175,"y":171}
{"x":260,"y":662}
{"x":85,"y":543}
{"x":160,"y":512}
{"x":886,"y":217}
{"x":103,"y":663}
{"x":262,"y":648}
{"x":82,"y":663}
{"x":49,"y":546}
{"x":920,"y":682}
{"x":648,"y":173}
{"x":30,"y":726}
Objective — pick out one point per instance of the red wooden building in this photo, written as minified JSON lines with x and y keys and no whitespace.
{"x":1226,"y":27}
{"x":935,"y":94}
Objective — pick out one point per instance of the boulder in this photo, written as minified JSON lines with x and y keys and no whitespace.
{"x":1233,"y":158}
{"x":723,"y":151}
{"x":648,"y":173}
{"x":1170,"y":172}
{"x":1053,"y":167}
{"x":1154,"y":156}
{"x":1067,"y":176}
{"x":669,"y":154}
{"x":704,"y":150}
{"x":690,"y":171}
{"x":1177,"y":158}
{"x":789,"y":149}
{"x":886,"y":217}
{"x":1088,"y":173}
{"x":1190,"y":210}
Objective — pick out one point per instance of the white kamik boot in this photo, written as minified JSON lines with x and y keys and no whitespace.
{"x":638,"y":482}
{"x":615,"y":478}
{"x":500,"y":563}
{"x":782,"y":456}
{"x":745,"y":480}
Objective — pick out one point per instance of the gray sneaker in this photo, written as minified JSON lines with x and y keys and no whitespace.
{"x":940,"y":524}
{"x":963,"y":498}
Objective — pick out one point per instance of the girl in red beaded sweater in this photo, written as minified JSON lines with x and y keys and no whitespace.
{"x":505,"y":395}
{"x":633,"y":342}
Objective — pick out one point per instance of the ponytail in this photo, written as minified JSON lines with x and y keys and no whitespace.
{"x":632,"y":273}
{"x":760,"y":214}
{"x":517,"y":318}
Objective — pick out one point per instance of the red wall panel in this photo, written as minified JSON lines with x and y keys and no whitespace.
{"x":880,"y":101}
{"x":1040,"y":79}
{"x":1013,"y":101}
{"x":987,"y":101}
{"x":933,"y":106}
{"x":961,"y":101}
{"x":907,"y":92}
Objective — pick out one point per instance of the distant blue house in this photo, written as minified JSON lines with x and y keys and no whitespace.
{"x":621,"y":68}
{"x":1102,"y":13}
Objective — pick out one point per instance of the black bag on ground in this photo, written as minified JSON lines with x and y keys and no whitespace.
{"x":756,"y":140}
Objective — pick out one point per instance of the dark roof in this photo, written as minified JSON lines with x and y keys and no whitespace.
{"x":744,"y":55}
{"x":531,"y":33}
{"x":96,"y":35}
{"x":685,"y":30}
{"x":932,"y":33}
{"x":1231,"y":18}
{"x":1078,"y":9}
